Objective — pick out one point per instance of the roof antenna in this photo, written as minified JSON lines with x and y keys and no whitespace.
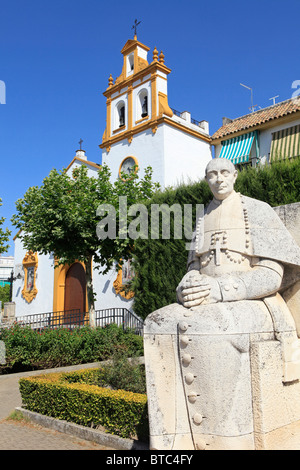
{"x":274,"y":98}
{"x":252,"y":107}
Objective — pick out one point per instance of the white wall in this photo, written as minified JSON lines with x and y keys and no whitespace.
{"x":147,"y":147}
{"x":6,"y":266}
{"x":92,"y":171}
{"x":186,"y":157}
{"x":105,"y":292}
{"x":43,"y":302}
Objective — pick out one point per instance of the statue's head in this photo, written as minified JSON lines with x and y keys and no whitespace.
{"x":221,"y":174}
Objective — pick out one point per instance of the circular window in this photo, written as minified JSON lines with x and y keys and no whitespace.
{"x":128,"y":166}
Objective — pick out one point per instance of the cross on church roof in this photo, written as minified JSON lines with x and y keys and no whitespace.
{"x":80,"y":142}
{"x":136,"y":23}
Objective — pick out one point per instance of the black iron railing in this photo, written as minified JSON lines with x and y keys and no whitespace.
{"x":74,"y":318}
{"x":179,"y":114}
{"x":121,"y":317}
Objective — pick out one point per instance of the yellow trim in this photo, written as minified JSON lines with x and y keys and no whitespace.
{"x":30,"y":261}
{"x":120,"y":129}
{"x":151,"y":69}
{"x":119,"y":286}
{"x":17,"y":234}
{"x":86,"y":162}
{"x":153,"y":97}
{"x":131,"y":44}
{"x":152,"y":124}
{"x":108,"y":118}
{"x":124,"y":159}
{"x":163,"y":106}
{"x":129,"y":113}
{"x":142,"y":120}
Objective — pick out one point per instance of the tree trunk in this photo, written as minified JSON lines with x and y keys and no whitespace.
{"x":90,"y":291}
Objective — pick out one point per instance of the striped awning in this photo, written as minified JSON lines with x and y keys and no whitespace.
{"x":285,"y":143}
{"x":238,"y":148}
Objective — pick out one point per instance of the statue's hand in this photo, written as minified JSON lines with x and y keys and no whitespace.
{"x":196,"y":289}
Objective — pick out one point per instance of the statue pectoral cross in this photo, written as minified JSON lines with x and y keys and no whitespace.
{"x":216,"y":239}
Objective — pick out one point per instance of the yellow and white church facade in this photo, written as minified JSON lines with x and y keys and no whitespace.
{"x":141,"y":129}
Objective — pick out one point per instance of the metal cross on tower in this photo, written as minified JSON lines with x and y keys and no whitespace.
{"x":80,"y":142}
{"x":136,"y":23}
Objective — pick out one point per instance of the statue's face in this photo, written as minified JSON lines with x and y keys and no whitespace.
{"x":221,"y":178}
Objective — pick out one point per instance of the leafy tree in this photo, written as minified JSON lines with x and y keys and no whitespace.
{"x":4,"y":235}
{"x":60,"y":218}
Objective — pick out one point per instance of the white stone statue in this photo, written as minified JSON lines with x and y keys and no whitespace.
{"x":223,"y":364}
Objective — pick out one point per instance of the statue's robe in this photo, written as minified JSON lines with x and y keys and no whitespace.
{"x":200,"y":362}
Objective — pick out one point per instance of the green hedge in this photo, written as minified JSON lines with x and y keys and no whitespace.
{"x":161,"y":264}
{"x":28,"y":349}
{"x":4,"y":294}
{"x":73,"y":397}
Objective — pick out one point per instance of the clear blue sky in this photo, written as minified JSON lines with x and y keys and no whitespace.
{"x":56,"y":57}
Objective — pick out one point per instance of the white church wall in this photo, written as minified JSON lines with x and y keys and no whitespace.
{"x":43,"y":302}
{"x":105,"y":292}
{"x":92,"y":171}
{"x":146,"y":147}
{"x":185,"y":157}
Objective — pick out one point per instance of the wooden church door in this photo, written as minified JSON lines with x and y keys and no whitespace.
{"x":75,"y":291}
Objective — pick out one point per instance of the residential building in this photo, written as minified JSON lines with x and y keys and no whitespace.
{"x":266,"y":135}
{"x":6,"y":267}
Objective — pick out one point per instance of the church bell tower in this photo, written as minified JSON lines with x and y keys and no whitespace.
{"x":140,"y":125}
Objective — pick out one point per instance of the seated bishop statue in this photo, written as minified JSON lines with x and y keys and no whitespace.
{"x":223,"y":363}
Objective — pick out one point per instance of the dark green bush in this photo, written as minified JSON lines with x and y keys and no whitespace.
{"x":117,"y":373}
{"x":28,"y":349}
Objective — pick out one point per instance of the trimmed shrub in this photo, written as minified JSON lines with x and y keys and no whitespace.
{"x":74,"y":397}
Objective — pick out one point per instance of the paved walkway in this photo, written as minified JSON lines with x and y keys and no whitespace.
{"x":21,"y":435}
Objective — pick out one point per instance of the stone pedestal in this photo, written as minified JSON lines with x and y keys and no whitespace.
{"x":219,"y":377}
{"x":9,"y":311}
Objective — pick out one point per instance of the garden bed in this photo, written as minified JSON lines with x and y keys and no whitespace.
{"x":77,"y":397}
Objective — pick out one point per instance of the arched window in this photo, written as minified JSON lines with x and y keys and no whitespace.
{"x":120,"y":114}
{"x":142,"y":104}
{"x":131,"y":62}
